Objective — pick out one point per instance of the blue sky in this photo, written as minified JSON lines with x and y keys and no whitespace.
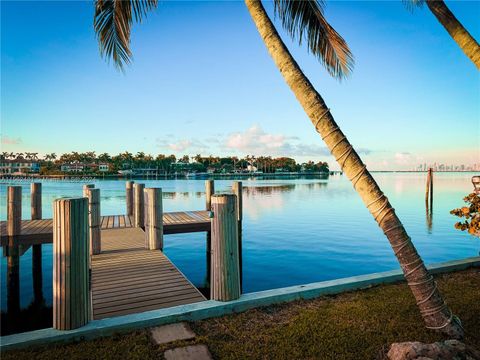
{"x":202,"y":82}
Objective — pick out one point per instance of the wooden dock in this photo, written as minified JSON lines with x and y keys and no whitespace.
{"x":127,"y":278}
{"x":40,"y":231}
{"x":117,"y":261}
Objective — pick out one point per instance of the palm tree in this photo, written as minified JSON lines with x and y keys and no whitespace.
{"x":304,"y":19}
{"x":52,"y":156}
{"x":105,"y":157}
{"x":459,"y":34}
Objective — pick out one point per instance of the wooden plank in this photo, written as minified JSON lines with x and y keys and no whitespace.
{"x":116,"y":221}
{"x":165,"y":285}
{"x":121,"y":221}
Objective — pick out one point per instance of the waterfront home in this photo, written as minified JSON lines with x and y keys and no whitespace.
{"x":19,"y":166}
{"x":77,"y":167}
{"x":103,"y":167}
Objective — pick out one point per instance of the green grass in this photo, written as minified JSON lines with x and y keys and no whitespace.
{"x":355,"y":325}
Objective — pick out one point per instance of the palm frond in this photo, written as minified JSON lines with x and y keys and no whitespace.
{"x":305,"y":19}
{"x":112,"y":23}
{"x":412,"y":4}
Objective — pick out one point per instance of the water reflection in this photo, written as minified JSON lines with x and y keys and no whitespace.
{"x":429,"y":218}
{"x":280,"y":188}
{"x":37,"y":314}
{"x":13,"y":278}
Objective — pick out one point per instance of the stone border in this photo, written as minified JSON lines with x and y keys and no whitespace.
{"x":211,"y":308}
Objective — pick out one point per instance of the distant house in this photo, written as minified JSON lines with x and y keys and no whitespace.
{"x":78,"y":167}
{"x":103,"y":167}
{"x":19,"y":166}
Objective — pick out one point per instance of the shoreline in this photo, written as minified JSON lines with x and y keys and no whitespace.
{"x":182,"y":176}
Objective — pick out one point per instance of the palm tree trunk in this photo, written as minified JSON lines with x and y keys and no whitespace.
{"x":435,"y":312}
{"x":456,"y":30}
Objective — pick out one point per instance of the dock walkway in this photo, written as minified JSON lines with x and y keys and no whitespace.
{"x":127,"y":278}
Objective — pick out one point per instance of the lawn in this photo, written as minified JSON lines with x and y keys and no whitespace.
{"x":354,"y":325}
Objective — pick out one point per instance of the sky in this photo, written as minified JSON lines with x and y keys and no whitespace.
{"x":202,"y":81}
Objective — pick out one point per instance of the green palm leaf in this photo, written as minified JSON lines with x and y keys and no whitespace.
{"x":112,"y":23}
{"x":305,"y":19}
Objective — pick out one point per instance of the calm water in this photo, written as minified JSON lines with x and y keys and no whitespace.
{"x":294,"y":231}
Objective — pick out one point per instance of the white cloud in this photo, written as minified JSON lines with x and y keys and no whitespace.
{"x":252,"y":141}
{"x":256,"y":141}
{"x":403,"y":158}
{"x":6,"y":140}
{"x":182,"y":146}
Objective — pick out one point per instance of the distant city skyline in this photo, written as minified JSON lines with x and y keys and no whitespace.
{"x":449,"y":167}
{"x":202,"y":81}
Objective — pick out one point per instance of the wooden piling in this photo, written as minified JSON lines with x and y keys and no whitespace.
{"x":139,"y":205}
{"x":86,"y":187}
{"x":37,"y":273}
{"x":94,"y":221}
{"x":71,"y":263}
{"x":225,"y":284}
{"x":153,"y":219}
{"x":14,"y":210}
{"x":429,"y":190}
{"x":36,"y":200}
{"x":129,"y":197}
{"x":238,"y":191}
{"x":209,"y":191}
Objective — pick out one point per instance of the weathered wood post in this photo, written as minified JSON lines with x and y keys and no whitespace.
{"x":36,"y":214}
{"x":209,"y":191}
{"x":225,"y":263}
{"x":36,"y":200}
{"x":14,"y":210}
{"x":71,"y":264}
{"x":153,"y":219}
{"x":139,"y":205}
{"x":86,"y":187}
{"x":129,"y":197}
{"x":238,"y":191}
{"x":430,"y":171}
{"x":14,"y":226}
{"x":94,"y":220}
{"x":429,"y":190}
